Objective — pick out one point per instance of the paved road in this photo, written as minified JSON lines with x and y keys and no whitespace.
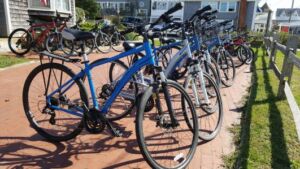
{"x":21,"y":147}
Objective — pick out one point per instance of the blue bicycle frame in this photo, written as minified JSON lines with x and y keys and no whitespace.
{"x":144,"y":61}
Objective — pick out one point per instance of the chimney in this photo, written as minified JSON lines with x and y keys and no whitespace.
{"x":242,"y":14}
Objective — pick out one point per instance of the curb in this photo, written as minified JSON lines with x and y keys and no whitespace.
{"x":18,"y":65}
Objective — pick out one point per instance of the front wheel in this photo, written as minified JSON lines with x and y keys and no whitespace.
{"x":117,"y":42}
{"x":52,"y":43}
{"x":103,"y":43}
{"x":60,"y":117}
{"x":209,"y":112}
{"x":227,"y":68}
{"x":162,"y":142}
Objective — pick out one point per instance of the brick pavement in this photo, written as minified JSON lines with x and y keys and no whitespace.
{"x":21,"y":147}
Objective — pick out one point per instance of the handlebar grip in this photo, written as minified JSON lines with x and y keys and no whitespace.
{"x":206,"y":8}
{"x":225,"y":22}
{"x":214,"y":11}
{"x":164,"y":16}
{"x":200,"y":12}
{"x":211,"y":18}
{"x":177,"y":7}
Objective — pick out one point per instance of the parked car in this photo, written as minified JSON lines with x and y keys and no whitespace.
{"x":131,"y":21}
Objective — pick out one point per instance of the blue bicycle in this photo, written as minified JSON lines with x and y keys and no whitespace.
{"x":57,"y":104}
{"x":201,"y":87}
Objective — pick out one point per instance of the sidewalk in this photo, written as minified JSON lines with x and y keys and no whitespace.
{"x":20,"y":146}
{"x":4,"y":45}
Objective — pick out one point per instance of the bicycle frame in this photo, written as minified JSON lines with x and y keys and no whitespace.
{"x":146,"y":60}
{"x":41,"y":38}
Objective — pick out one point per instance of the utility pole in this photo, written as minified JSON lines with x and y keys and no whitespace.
{"x":291,"y":15}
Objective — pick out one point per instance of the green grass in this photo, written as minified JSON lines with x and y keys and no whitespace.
{"x":267,"y":136}
{"x":9,"y":60}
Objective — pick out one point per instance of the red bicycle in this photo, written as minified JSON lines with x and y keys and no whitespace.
{"x":20,"y":41}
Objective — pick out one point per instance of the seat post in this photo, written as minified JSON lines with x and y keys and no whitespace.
{"x":82,"y":46}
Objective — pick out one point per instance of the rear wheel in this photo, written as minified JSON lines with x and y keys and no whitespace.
{"x":20,"y":41}
{"x":106,"y":77}
{"x":63,"y":122}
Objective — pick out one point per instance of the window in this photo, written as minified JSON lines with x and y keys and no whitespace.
{"x":223,"y":6}
{"x":227,"y":7}
{"x":214,"y":5}
{"x":143,"y":12}
{"x":115,"y":5}
{"x":231,"y":6}
{"x":39,"y":4}
{"x":50,"y":5}
{"x":157,"y":5}
{"x":62,"y":5}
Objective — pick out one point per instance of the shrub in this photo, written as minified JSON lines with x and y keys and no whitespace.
{"x":131,"y":36}
{"x":88,"y":25}
{"x":80,"y":14}
{"x":283,"y":37}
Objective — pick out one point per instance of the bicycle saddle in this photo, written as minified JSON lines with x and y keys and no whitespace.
{"x":130,"y":45}
{"x":77,"y":35}
{"x":167,"y":40}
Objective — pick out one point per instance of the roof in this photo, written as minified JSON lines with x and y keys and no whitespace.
{"x":265,"y":8}
{"x":287,"y":10}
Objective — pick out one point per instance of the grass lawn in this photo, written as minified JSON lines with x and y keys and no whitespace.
{"x":10,"y":60}
{"x":267,"y":136}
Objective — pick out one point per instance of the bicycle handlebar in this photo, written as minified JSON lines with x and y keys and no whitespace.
{"x":165,"y":17}
{"x":200,"y":12}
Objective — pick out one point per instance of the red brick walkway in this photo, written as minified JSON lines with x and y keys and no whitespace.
{"x":20,"y":146}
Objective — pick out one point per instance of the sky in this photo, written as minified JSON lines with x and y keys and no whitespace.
{"x":274,"y":4}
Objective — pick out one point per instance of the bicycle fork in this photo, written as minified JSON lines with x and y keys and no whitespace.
{"x":174,"y":121}
{"x":197,"y":69}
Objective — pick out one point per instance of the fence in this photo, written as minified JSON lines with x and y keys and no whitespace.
{"x":285,"y":74}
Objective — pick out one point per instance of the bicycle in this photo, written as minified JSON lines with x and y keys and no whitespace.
{"x":205,"y":93}
{"x":215,"y":45}
{"x":55,"y":41}
{"x":21,"y":40}
{"x":167,"y":121}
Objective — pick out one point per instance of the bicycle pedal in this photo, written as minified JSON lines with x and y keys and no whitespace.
{"x":115,"y":131}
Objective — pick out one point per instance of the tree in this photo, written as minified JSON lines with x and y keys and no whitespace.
{"x":91,"y":8}
{"x":80,"y":14}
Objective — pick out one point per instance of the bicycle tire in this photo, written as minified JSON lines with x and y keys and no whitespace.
{"x":27,"y":47}
{"x":116,"y":40}
{"x":224,"y":68}
{"x":125,"y":112}
{"x":103,"y":39}
{"x":52,"y":42}
{"x":206,"y":134}
{"x":25,"y":97}
{"x":209,"y":69}
{"x":251,"y":55}
{"x":142,"y":139}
